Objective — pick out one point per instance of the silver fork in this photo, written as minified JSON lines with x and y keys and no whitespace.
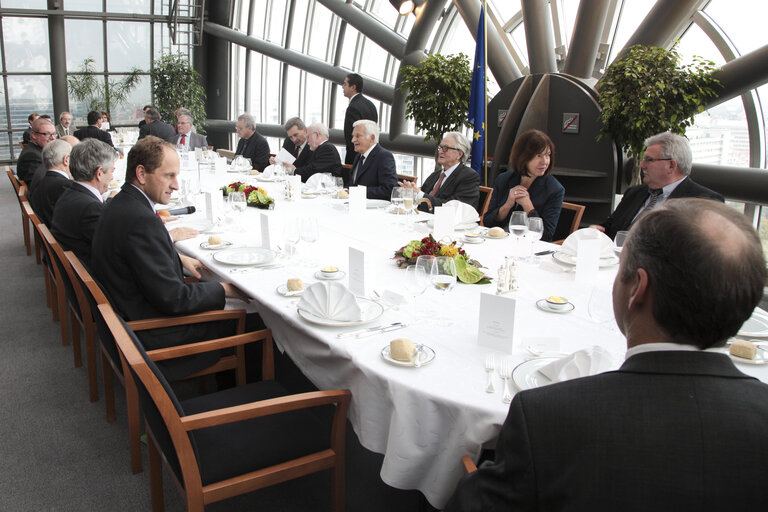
{"x":490,"y":367}
{"x":505,"y":376}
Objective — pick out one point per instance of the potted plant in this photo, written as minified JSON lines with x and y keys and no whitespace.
{"x":647,"y":92}
{"x":105,"y":96}
{"x":176,"y":84}
{"x":438,"y":94}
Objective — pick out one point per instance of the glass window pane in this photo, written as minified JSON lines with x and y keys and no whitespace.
{"x":632,"y":14}
{"x":84,"y":40}
{"x":132,"y":6}
{"x":348,"y":49}
{"x":385,"y":13}
{"x":299,"y":22}
{"x":318,"y":39}
{"x":270,"y":112}
{"x":747,"y":32}
{"x":5,"y":150}
{"x":26,"y":40}
{"x":274,"y":28}
{"x":315,"y":102}
{"x":25,"y":4}
{"x":130,"y":112}
{"x":127,"y":45}
{"x":292,"y":99}
{"x":82,"y":5}
{"x":372,"y":63}
{"x":28,"y":94}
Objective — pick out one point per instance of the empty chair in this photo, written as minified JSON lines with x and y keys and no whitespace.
{"x":485,"y":200}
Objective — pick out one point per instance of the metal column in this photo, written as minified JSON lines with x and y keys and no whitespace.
{"x":585,"y":40}
{"x":58,"y":51}
{"x":538,"y":37}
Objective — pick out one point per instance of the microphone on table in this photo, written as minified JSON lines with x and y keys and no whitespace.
{"x":182,"y":211}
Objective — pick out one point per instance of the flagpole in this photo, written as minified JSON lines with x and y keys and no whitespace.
{"x":485,"y":91}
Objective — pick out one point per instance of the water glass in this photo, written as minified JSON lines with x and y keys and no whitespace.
{"x":534,"y":233}
{"x":518,"y":225}
{"x":416,"y":280}
{"x":291,"y":236}
{"x":397,"y":199}
{"x":619,"y":240}
{"x":443,"y":274}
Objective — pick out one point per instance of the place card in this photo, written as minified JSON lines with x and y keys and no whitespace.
{"x":265,"y":239}
{"x":444,"y":220}
{"x":199,"y":154}
{"x":214,"y":206}
{"x":357,"y":198}
{"x":361,"y":273}
{"x":496,"y":324}
{"x":588,"y":260}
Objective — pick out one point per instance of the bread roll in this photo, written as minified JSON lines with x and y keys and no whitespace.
{"x":742,"y":348}
{"x":214,"y":240}
{"x":343,"y":194}
{"x":402,"y":349}
{"x":163,"y":213}
{"x":496,"y":232}
{"x":294,"y":285}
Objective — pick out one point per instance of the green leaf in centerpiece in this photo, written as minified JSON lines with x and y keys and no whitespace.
{"x":465,"y":272}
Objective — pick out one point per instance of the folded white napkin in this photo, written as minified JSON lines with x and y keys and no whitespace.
{"x":318,"y":181}
{"x":332,"y":301}
{"x":571,"y":244}
{"x":268,"y":171}
{"x":579,"y":364}
{"x":240,"y":163}
{"x":463,"y":213}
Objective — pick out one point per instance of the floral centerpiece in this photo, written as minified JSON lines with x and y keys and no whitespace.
{"x":467,"y":270}
{"x":255,"y":196}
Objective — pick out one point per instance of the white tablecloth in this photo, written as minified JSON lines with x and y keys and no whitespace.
{"x":422,"y":419}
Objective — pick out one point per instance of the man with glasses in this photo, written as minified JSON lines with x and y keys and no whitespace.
{"x":374,"y":166}
{"x":30,"y":159}
{"x":65,"y":125}
{"x":252,"y":144}
{"x":666,"y":168}
{"x":93,"y":130}
{"x":454,"y":180}
{"x":187,"y":138}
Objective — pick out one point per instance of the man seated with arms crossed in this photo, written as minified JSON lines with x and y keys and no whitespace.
{"x":53,"y":179}
{"x":678,"y":426}
{"x":252,"y":144}
{"x":374,"y":166}
{"x":296,"y":142}
{"x":324,"y":155}
{"x":666,"y":169}
{"x":134,"y":259}
{"x":455,"y":180}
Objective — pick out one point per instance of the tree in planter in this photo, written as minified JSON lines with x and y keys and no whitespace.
{"x":101,"y":96}
{"x":438,"y":94}
{"x":176,"y":84}
{"x":649,"y":92}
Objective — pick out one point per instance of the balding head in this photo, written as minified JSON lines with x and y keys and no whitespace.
{"x":71,"y":139}
{"x":42,"y":132}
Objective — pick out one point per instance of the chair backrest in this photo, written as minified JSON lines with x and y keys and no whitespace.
{"x":405,"y":177}
{"x":14,"y":180}
{"x":570,"y":218}
{"x":62,"y":268}
{"x":485,"y":200}
{"x":226,"y":153}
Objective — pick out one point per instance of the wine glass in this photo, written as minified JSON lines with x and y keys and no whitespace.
{"x":238,"y":203}
{"x":534,"y":233}
{"x":619,"y":241}
{"x":397,"y":199}
{"x":291,"y":236}
{"x":407,"y":196}
{"x":338,"y":184}
{"x":310,"y":233}
{"x":443,"y":274}
{"x":518,"y":225}
{"x":416,"y":280}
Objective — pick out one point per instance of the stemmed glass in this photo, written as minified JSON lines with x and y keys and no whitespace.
{"x":443,"y":274}
{"x":310,"y":233}
{"x":518,"y":225}
{"x":534,"y":233}
{"x":338,"y":185}
{"x":619,"y":241}
{"x":238,"y":203}
{"x":291,"y":236}
{"x":397,"y":199}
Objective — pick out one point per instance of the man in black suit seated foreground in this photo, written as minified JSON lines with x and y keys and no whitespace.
{"x":134,"y":259}
{"x":157,"y":127}
{"x":252,"y":144}
{"x":678,"y":426}
{"x":666,"y":169}
{"x":296,"y":142}
{"x":455,"y":180}
{"x":78,"y":210}
{"x":324,"y":155}
{"x":374,"y":166}
{"x":53,"y":179}
{"x":93,"y":130}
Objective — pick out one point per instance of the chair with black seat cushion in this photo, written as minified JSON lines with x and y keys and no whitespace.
{"x":485,"y":200}
{"x":234,"y":441}
{"x":569,"y":221}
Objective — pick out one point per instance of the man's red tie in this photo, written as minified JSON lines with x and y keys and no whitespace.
{"x":437,"y":185}
{"x":183,"y":138}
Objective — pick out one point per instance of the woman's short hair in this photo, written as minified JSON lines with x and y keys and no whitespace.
{"x":526,"y":147}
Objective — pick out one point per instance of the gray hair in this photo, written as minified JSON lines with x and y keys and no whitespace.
{"x":62,"y":115}
{"x":183,"y":112}
{"x":247,"y":120}
{"x":320,"y":129}
{"x":462,"y":143}
{"x":54,"y":153}
{"x":88,"y":156}
{"x":675,"y":147}
{"x":371,"y":128}
{"x":294,"y":121}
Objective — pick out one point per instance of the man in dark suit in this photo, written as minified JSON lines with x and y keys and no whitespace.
{"x":55,"y":180}
{"x":324,"y":157}
{"x":26,"y":136}
{"x":455,"y":180}
{"x":78,"y":210}
{"x":666,"y":170}
{"x":136,"y":262}
{"x":93,"y":130}
{"x":157,"y":127}
{"x":359,"y":108}
{"x":678,"y":426}
{"x":186,"y":136}
{"x":296,"y":142}
{"x":374,"y":166}
{"x":143,"y":121}
{"x":251,"y":145}
{"x":30,"y":159}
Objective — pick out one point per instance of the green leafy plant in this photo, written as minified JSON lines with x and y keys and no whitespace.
{"x":176,"y":84}
{"x":105,"y":96}
{"x":648,"y":92}
{"x":438,"y":94}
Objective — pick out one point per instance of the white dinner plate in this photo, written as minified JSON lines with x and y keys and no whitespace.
{"x":463,"y":226}
{"x":527,"y":375}
{"x":247,"y":256}
{"x":335,"y":277}
{"x":215,"y":247}
{"x":283,"y":290}
{"x":370,"y":310}
{"x":372,"y":204}
{"x":569,"y":259}
{"x":425,"y":354}
{"x":756,"y":325}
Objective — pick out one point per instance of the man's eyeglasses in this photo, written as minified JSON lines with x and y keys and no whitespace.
{"x":446,"y":148}
{"x":650,"y":160}
{"x":50,"y":135}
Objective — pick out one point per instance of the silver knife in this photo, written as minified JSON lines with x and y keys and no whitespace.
{"x":361,"y":333}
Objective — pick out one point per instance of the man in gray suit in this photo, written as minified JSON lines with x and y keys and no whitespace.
{"x":187,"y":137}
{"x":678,"y":426}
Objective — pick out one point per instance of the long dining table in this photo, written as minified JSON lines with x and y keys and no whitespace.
{"x":421,"y":419}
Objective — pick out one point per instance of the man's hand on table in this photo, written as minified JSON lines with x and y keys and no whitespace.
{"x":233,"y":292}
{"x":194,"y":266}
{"x":179,"y":234}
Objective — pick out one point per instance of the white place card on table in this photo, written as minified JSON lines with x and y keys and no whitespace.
{"x":588,"y":260}
{"x":285,"y":157}
{"x":362,"y":275}
{"x":444,"y":220}
{"x":214,"y":207}
{"x":496,"y":324}
{"x":357,"y":198}
{"x":265,"y":239}
{"x":199,"y":154}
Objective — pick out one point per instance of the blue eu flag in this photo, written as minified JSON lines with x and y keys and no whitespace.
{"x":477,"y":99}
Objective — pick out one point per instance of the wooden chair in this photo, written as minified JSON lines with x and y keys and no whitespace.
{"x":570,"y":218}
{"x":234,"y":441}
{"x":485,"y":200}
{"x":405,"y":177}
{"x":24,"y":220}
{"x":51,"y":300}
{"x":55,"y":268}
{"x":226,"y":153}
